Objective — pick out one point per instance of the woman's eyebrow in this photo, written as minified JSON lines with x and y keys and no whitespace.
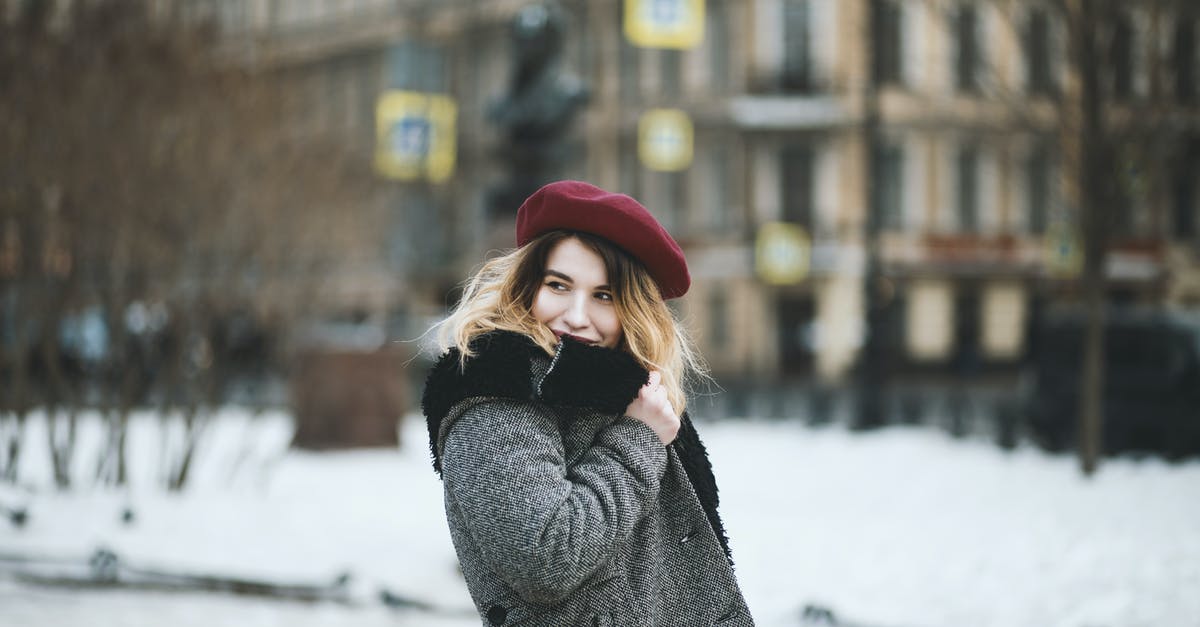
{"x":560,"y":275}
{"x":568,"y":279}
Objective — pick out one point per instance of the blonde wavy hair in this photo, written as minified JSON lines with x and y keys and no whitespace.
{"x":500,"y":295}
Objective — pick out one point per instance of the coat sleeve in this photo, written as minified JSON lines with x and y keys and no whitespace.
{"x":542,"y":527}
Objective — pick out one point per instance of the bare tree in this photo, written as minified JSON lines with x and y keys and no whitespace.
{"x":1114,"y":145}
{"x":139,"y":167}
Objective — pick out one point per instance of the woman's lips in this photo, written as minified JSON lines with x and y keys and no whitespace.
{"x":584,"y":340}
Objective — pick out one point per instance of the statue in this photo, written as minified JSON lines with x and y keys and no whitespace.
{"x":537,"y":111}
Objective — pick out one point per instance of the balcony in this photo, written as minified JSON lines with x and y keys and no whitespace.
{"x":273,"y":32}
{"x":778,"y":112}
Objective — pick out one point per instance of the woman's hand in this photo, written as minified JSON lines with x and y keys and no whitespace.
{"x":652,"y":408}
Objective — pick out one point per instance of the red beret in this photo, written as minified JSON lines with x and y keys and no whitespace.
{"x":579,"y":206}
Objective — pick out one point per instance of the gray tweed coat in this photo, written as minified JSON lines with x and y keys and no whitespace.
{"x":563,"y":511}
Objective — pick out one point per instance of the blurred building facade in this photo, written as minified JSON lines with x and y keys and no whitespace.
{"x":919,"y":135}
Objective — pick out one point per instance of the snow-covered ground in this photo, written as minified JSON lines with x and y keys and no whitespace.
{"x":898,"y":528}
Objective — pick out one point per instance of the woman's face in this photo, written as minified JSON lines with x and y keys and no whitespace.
{"x":575,"y":298}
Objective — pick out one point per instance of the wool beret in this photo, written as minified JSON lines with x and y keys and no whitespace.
{"x":579,"y":206}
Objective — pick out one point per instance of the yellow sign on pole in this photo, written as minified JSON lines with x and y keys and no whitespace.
{"x":665,"y":140}
{"x":677,"y":24}
{"x":415,"y":135}
{"x":1064,"y":251}
{"x":782,"y":253}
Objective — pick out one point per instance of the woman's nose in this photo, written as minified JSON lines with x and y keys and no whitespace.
{"x":576,"y":313}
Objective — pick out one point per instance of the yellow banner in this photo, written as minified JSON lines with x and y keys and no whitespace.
{"x":1063,"y":253}
{"x":677,"y":24}
{"x":415,"y":135}
{"x":665,"y":140}
{"x":782,"y":253}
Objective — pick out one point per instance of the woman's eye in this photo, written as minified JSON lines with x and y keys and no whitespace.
{"x":604,"y":296}
{"x":556,"y":286}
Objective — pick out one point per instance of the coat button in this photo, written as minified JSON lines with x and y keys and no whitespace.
{"x":496,"y":615}
{"x":691,"y":535}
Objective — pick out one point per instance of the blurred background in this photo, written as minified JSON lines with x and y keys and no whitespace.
{"x":228,"y":224}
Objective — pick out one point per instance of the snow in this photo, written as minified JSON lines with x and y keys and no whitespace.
{"x":902,"y":527}
{"x":909,"y":527}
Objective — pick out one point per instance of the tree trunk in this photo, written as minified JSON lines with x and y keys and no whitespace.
{"x":19,"y":395}
{"x":1094,"y":177}
{"x":870,"y":375}
{"x":12,"y":453}
{"x":196,"y":391}
{"x":112,"y":467}
{"x":192,"y":429}
{"x":59,"y":396}
{"x":62,"y":447}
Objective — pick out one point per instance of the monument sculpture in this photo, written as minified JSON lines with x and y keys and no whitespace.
{"x":536,"y":112}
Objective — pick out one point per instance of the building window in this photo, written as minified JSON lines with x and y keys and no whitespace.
{"x":679,"y":199}
{"x":718,"y":319}
{"x":887,"y":190}
{"x":796,"y":184}
{"x":630,"y":58}
{"x":674,"y":195}
{"x":627,"y":169}
{"x":671,"y":72}
{"x":1037,"y":58}
{"x":967,"y":316}
{"x":797,"y":46}
{"x":1184,"y":61}
{"x":717,"y":36}
{"x":966,"y":42}
{"x":796,"y":320}
{"x":888,"y":49}
{"x":1123,"y":216}
{"x":1132,"y":192}
{"x":718,"y":194}
{"x":893,"y":323}
{"x":1185,"y":206}
{"x":968,"y":189}
{"x":418,"y":67}
{"x":1185,"y":198}
{"x":1121,"y":53}
{"x":1038,"y":177}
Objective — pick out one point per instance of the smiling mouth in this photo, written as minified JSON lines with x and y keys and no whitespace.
{"x":583,"y":340}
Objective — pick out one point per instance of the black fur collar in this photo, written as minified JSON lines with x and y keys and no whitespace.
{"x":580,"y":376}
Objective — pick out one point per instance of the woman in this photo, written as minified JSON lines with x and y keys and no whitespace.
{"x":576,"y":491}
